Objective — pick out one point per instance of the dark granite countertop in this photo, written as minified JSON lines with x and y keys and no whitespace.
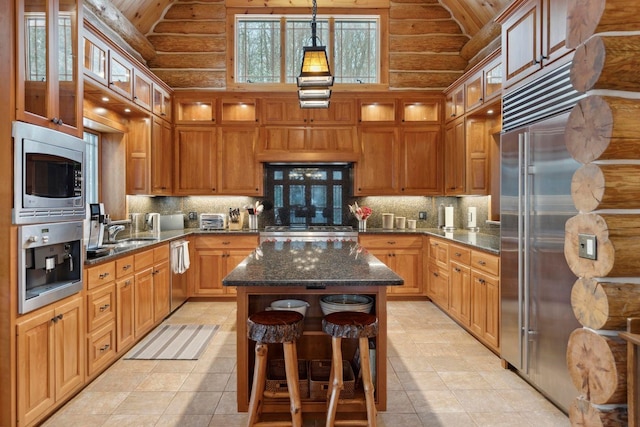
{"x":482,"y":241}
{"x":312,"y":265}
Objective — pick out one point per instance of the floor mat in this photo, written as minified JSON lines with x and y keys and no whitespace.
{"x":174,"y":342}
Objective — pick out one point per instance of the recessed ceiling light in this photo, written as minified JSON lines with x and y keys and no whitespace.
{"x":105,"y":99}
{"x":127,"y":110}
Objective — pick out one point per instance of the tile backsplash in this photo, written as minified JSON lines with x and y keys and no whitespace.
{"x":407,"y":206}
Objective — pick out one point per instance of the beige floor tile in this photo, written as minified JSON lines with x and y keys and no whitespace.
{"x":215,"y":363}
{"x":526,"y":400}
{"x":434,"y":401}
{"x":504,"y":379}
{"x":205,"y":382}
{"x":410,"y":364}
{"x":131,"y":420}
{"x":481,"y":401}
{"x":194,"y":403}
{"x":183,"y":420}
{"x":448,"y":364}
{"x":96,"y":402}
{"x":174,"y":366}
{"x":421,"y":381}
{"x":445,"y":419}
{"x":117,"y":380}
{"x":75,"y":420}
{"x":554,"y":418}
{"x":163,"y":381}
{"x":397,"y":420}
{"x":497,"y":419}
{"x":128,"y":365}
{"x":145,"y":403}
{"x":228,"y":420}
{"x":228,"y":403}
{"x":398,"y":402}
{"x":464,"y":381}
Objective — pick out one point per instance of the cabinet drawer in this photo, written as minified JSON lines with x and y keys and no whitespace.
{"x":143,"y":260}
{"x":226,"y":242}
{"x":460,"y":254}
{"x":161,"y":253}
{"x":391,"y":241}
{"x":124,"y":266}
{"x":439,"y":251}
{"x":101,"y":306}
{"x":101,"y":347}
{"x":485,"y":262}
{"x":100,"y":274}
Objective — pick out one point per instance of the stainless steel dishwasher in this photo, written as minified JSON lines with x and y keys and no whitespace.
{"x":179,"y":266}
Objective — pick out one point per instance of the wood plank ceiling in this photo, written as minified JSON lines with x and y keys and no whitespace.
{"x":431,"y":42}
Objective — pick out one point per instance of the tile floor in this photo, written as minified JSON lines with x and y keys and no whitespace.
{"x":438,"y":376}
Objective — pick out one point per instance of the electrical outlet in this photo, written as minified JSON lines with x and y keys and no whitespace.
{"x":422,"y":215}
{"x":193,"y":215}
{"x":587,"y":246}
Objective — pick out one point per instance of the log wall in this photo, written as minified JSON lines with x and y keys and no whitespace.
{"x":602,"y":133}
{"x":425,"y":44}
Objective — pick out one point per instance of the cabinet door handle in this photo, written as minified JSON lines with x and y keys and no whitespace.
{"x":103,"y":275}
{"x":482,"y":281}
{"x":456,"y":269}
{"x":104,"y":307}
{"x":127,"y":283}
{"x":104,"y":348}
{"x":435,"y":274}
{"x":126,"y":267}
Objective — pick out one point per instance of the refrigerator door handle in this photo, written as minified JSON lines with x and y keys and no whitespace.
{"x":525,"y":246}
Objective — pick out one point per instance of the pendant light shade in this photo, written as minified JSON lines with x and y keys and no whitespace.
{"x":315,"y":76}
{"x":315,"y":68}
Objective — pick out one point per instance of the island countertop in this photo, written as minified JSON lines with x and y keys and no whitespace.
{"x":311,"y":265}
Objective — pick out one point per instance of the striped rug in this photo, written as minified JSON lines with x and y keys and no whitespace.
{"x":174,"y":342}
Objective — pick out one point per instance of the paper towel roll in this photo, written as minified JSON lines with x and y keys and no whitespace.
{"x":448,"y":217}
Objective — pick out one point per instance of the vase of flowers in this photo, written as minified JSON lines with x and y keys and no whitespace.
{"x":361,"y":213}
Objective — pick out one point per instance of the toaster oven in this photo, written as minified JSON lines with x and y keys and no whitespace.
{"x":213,"y":221}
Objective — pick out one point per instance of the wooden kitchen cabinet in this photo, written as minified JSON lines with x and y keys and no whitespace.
{"x":376,"y":172}
{"x":120,"y":78}
{"x":478,"y":161}
{"x":125,"y":316}
{"x":378,"y":111}
{"x":215,"y":257}
{"x":460,"y":283}
{"x":308,"y":143}
{"x":403,"y":255}
{"x":285,"y":110}
{"x":142,"y":90}
{"x":438,"y":272}
{"x":49,"y":87}
{"x":195,"y":109}
{"x":237,"y":111}
{"x":162,"y":102}
{"x":454,"y":103}
{"x":161,"y":157}
{"x":50,"y":357}
{"x":421,"y":111}
{"x":485,"y":298}
{"x":195,"y":160}
{"x":455,"y":158}
{"x":161,"y":283}
{"x":139,"y":157}
{"x":533,"y":37}
{"x":420,"y":168}
{"x":239,"y":173}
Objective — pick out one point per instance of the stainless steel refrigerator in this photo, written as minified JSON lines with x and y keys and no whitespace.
{"x":536,"y":172}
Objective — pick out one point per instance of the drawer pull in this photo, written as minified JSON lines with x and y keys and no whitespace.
{"x":391,"y":242}
{"x":226,"y":242}
{"x":126,"y":267}
{"x":105,"y":307}
{"x":482,"y":281}
{"x":457,"y":270}
{"x":104,"y":348}
{"x":481,"y":262}
{"x":103,"y":275}
{"x":458,"y":254}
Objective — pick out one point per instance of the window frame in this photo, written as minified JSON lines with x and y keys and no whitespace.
{"x":382,"y":15}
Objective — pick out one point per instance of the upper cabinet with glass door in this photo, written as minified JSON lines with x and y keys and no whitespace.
{"x":48,"y":84}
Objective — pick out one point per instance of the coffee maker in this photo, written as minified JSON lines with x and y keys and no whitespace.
{"x":97,"y":221}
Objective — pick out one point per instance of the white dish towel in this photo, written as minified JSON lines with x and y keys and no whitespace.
{"x":181,"y":262}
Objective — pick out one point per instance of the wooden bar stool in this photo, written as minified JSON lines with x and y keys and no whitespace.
{"x":361,"y":326}
{"x":275,"y":327}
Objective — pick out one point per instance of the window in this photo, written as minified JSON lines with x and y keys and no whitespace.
{"x":91,"y":167}
{"x":269,"y":48}
{"x":310,"y":195}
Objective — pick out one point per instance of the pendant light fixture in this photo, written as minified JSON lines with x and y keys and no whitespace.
{"x":315,"y":77}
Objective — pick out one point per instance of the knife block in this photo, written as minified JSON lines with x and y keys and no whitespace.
{"x":237,"y":225}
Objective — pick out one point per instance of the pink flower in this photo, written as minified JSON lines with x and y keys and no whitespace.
{"x":360,"y":212}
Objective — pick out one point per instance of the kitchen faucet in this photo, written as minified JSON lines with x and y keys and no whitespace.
{"x":113,"y":230}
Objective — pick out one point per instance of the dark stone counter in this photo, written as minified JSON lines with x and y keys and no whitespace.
{"x":482,"y":241}
{"x":314,"y":265}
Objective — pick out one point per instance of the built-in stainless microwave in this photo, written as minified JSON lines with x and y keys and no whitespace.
{"x":47,"y":175}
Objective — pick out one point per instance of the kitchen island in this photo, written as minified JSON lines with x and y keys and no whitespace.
{"x":307,"y":271}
